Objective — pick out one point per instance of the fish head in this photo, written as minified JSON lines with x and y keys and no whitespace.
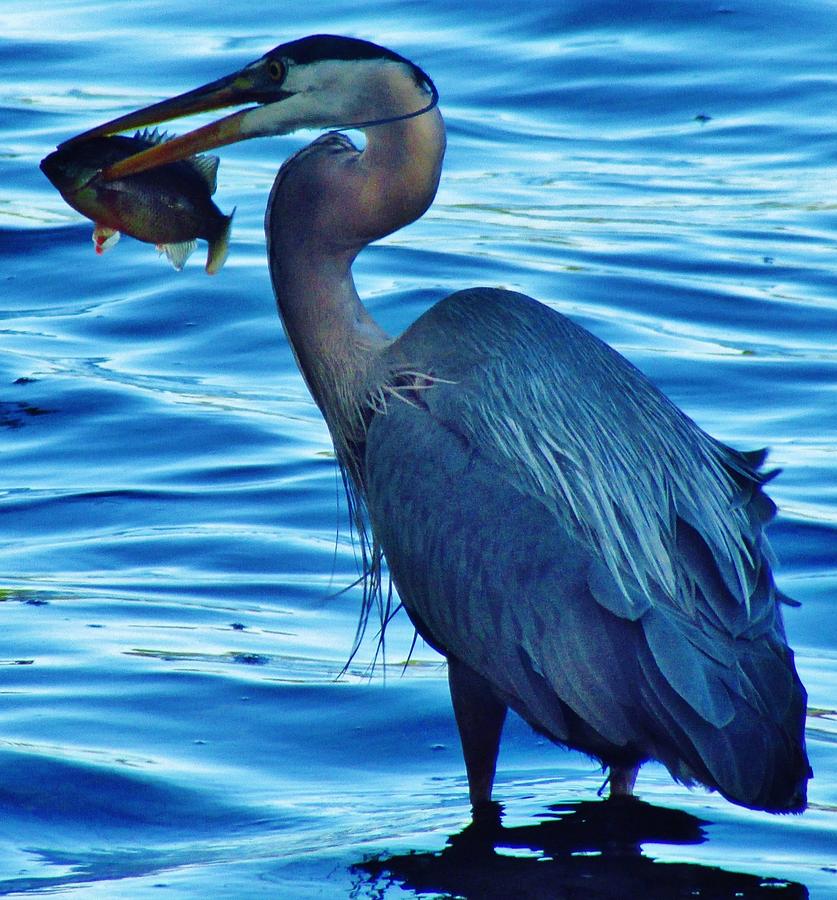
{"x":75,"y":170}
{"x":70,"y":170}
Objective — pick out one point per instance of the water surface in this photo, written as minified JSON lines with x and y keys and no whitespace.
{"x":173,"y":545}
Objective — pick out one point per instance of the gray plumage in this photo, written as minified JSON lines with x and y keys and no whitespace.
{"x":602,"y":559}
{"x":577,"y":548}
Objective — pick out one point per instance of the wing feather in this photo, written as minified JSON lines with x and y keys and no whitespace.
{"x":556,"y":523}
{"x":584,"y":432}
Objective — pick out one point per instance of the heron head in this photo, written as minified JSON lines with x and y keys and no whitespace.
{"x":320,"y":81}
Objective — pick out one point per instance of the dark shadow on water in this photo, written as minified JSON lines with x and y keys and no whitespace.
{"x":589,"y":849}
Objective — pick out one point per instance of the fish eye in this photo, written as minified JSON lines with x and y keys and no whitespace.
{"x":276,"y":70}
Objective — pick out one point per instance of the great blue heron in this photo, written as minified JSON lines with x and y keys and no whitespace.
{"x":573,"y":544}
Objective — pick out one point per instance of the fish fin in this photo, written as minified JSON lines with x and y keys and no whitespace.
{"x":104,"y":238}
{"x":152,"y":135}
{"x":218,"y":249}
{"x":207,"y":168}
{"x":178,"y":253}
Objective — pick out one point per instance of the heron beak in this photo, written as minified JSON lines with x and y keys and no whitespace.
{"x":232,"y":90}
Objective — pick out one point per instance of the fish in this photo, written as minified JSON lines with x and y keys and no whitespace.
{"x":169,"y":206}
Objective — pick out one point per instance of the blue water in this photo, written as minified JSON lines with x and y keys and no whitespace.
{"x":173,"y":545}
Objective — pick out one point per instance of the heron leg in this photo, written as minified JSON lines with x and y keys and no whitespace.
{"x":622,"y":780}
{"x":479,"y":717}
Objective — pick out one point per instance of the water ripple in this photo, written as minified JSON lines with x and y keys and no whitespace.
{"x":176,"y":565}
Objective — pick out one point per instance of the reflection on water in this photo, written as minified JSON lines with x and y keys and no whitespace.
{"x":582,"y":850}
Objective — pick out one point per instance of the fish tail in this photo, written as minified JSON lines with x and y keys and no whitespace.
{"x":218,"y":248}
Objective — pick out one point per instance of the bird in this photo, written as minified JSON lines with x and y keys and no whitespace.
{"x":577,"y":548}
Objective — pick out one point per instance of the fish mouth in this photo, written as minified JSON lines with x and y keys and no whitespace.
{"x":50,"y":167}
{"x":242,"y":87}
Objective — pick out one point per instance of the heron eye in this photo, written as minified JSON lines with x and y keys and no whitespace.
{"x":276,"y":70}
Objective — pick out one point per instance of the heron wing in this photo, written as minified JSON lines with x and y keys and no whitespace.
{"x":541,"y":500}
{"x":489,"y":576}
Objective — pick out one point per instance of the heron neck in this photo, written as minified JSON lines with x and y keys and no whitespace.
{"x":334,"y":339}
{"x":328,"y":202}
